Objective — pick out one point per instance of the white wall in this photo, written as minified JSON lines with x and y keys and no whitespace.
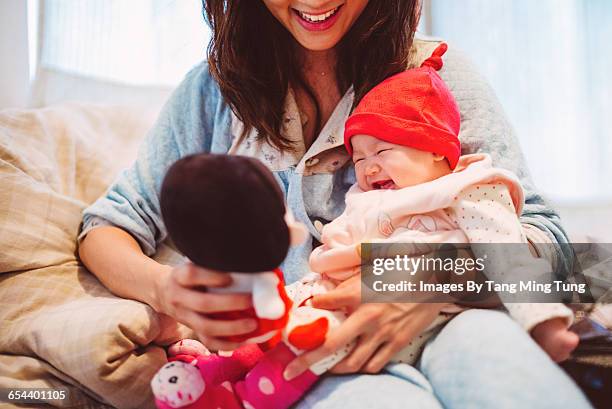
{"x":14,"y":66}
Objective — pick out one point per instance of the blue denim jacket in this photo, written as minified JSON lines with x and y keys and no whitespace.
{"x":196,"y":119}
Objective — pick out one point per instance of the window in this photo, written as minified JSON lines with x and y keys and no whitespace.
{"x":550,"y":65}
{"x":137,"y":42}
{"x":547,"y":60}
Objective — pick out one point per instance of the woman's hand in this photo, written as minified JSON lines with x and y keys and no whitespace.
{"x":181,"y":294}
{"x":381,"y":330}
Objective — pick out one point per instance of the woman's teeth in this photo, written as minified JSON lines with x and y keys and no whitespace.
{"x":319,"y":17}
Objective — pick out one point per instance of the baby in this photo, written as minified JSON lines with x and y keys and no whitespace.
{"x":414,"y":187}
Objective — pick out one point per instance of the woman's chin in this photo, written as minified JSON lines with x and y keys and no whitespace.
{"x":321,"y":43}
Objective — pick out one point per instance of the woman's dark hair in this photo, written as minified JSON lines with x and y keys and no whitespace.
{"x":251,"y":56}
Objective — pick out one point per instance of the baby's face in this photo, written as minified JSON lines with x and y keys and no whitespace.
{"x":384,"y":165}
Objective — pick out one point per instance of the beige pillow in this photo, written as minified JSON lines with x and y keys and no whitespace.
{"x":53,"y":163}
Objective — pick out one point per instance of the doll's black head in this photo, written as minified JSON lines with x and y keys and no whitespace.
{"x":225,"y":212}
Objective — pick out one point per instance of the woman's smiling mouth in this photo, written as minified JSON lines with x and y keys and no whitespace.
{"x":319,"y":21}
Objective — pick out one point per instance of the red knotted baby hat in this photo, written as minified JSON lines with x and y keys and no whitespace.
{"x":414,"y":108}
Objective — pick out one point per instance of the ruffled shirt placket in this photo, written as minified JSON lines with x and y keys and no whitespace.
{"x":307,"y":162}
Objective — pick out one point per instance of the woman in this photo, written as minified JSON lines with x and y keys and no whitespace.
{"x":282,"y":75}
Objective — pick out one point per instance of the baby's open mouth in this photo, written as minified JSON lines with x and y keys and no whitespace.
{"x":383,"y":184}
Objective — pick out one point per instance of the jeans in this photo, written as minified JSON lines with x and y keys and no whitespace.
{"x":481,"y":359}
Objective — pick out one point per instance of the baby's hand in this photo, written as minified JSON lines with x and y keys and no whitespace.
{"x":190,"y":347}
{"x":554,"y":338}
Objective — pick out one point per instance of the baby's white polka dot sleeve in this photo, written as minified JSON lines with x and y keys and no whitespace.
{"x":486,"y":214}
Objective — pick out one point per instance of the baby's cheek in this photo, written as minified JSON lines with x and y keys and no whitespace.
{"x":361,"y":182}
